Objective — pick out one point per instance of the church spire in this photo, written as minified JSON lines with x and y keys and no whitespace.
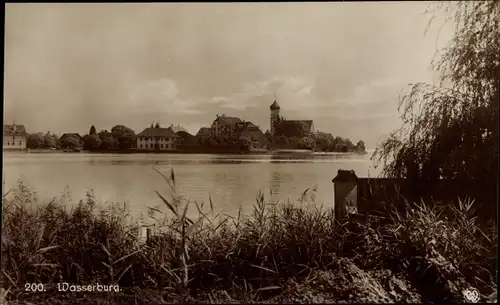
{"x":274,"y":106}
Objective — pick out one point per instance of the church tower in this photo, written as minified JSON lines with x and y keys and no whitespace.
{"x":275,"y":116}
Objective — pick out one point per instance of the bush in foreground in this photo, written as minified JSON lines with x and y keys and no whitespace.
{"x":292,"y":252}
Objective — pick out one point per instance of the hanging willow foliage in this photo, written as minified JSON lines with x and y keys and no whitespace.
{"x":451,"y":130}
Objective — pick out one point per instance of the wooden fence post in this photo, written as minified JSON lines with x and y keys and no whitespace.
{"x":150,"y":233}
{"x":343,"y":184}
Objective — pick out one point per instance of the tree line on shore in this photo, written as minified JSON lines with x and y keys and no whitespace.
{"x":319,"y":142}
{"x":123,"y":138}
{"x":119,"y":138}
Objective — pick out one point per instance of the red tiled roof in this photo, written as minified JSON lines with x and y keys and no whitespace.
{"x":14,"y":130}
{"x":158,"y":132}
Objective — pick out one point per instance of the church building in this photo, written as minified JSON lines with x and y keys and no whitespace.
{"x":288,"y":128}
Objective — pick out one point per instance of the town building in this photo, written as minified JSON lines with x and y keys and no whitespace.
{"x":185,"y":138}
{"x":187,"y":142}
{"x":204,"y":133}
{"x":225,"y":126}
{"x":14,"y":137}
{"x":252,"y":134}
{"x":157,"y":138}
{"x":288,"y":128}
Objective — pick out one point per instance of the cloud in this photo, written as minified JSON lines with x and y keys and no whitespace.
{"x":164,"y":95}
{"x":164,"y":99}
{"x":322,"y":60}
{"x":161,"y":95}
{"x":363,"y":94}
{"x":377,"y":98}
{"x":280,"y":83}
{"x":290,"y":89}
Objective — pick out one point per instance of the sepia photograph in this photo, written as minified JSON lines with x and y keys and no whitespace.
{"x":272,"y":152}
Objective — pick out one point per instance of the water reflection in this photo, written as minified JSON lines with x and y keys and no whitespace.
{"x":275,"y":182}
{"x":96,"y":159}
{"x":231,"y":180}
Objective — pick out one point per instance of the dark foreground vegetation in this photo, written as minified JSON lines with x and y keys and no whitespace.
{"x":294,"y":252}
{"x":450,"y":130}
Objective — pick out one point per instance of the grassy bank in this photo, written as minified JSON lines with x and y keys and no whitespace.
{"x":290,"y":252}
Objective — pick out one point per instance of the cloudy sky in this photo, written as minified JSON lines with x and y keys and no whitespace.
{"x":344,"y":65}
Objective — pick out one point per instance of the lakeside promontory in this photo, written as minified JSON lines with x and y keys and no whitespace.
{"x":225,"y":135}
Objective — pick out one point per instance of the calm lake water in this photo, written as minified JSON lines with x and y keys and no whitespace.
{"x":231,"y":180}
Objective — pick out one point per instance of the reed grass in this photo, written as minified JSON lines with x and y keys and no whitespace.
{"x":282,"y":252}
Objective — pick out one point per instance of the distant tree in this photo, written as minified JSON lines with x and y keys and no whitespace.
{"x":92,"y":130}
{"x":340,"y":144}
{"x":293,"y":142}
{"x":91,"y":142}
{"x":104,"y":132}
{"x":108,"y":143}
{"x":152,"y":126}
{"x":107,"y":140}
{"x":212,"y":140}
{"x":124,"y":136}
{"x":360,"y":146}
{"x":245,"y":145}
{"x":347,"y":142}
{"x":157,"y":125}
{"x":268,"y":135}
{"x":70,"y":142}
{"x":450,"y":131}
{"x":55,"y":139}
{"x":281,"y":140}
{"x":306,"y":143}
{"x":337,"y":142}
{"x":49,"y":141}
{"x":35,"y":141}
{"x":324,"y":142}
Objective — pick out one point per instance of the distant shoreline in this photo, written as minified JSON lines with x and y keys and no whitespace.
{"x":256,"y":152}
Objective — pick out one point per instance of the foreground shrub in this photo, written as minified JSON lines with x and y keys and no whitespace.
{"x":291,"y":252}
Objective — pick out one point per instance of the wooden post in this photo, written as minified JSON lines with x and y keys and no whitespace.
{"x":343,"y":184}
